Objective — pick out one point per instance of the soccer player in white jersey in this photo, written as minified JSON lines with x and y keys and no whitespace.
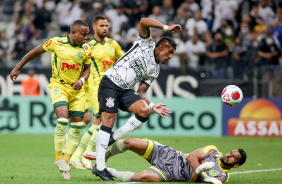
{"x":139,"y":64}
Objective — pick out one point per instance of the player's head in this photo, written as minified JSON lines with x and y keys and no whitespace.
{"x":164,"y":49}
{"x":101,"y":26}
{"x":79,"y":31}
{"x":235,"y":158}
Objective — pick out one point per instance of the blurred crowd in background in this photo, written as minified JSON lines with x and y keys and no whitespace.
{"x":221,"y":39}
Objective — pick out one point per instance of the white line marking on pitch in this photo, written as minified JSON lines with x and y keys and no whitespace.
{"x":244,"y":172}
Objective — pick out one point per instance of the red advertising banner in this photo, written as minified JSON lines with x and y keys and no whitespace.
{"x":261,"y":117}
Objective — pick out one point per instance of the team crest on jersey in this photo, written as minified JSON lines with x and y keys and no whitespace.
{"x":111,"y":49}
{"x":151,"y":71}
{"x":60,"y":41}
{"x":57,"y":91}
{"x":79,"y":55}
{"x":85,"y":47}
{"x":110,"y":102}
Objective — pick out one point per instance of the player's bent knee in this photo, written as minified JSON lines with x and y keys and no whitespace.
{"x":146,"y":177}
{"x":145,"y":112}
{"x":128,"y":142}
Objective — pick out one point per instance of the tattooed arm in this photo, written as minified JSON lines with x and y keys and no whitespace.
{"x":158,"y":108}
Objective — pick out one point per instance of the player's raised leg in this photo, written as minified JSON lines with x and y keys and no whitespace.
{"x":142,"y":113}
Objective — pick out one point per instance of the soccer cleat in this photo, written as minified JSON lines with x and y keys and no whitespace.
{"x":90,"y":155}
{"x":76,"y":162}
{"x":66,"y":175}
{"x":92,"y":166}
{"x":104,"y":174}
{"x":62,"y":165}
{"x":85,"y":163}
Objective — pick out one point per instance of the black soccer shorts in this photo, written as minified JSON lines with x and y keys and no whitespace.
{"x":111,"y":97}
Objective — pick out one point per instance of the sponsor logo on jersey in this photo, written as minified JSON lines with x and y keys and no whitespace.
{"x":213,"y":173}
{"x":79,"y":55}
{"x":66,"y":66}
{"x":211,"y":151}
{"x":110,"y":41}
{"x":110,"y":102}
{"x":108,"y":63}
{"x":60,"y":41}
{"x":48,"y":43}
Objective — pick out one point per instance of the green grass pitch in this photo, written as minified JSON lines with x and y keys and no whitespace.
{"x":28,"y":159}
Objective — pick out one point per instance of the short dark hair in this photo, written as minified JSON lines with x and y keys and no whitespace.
{"x":79,"y":23}
{"x":244,"y":156}
{"x":168,"y":40}
{"x":99,"y":17}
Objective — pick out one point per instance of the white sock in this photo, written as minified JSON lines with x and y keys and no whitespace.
{"x":124,"y":176}
{"x":131,"y":125}
{"x":102,"y":141}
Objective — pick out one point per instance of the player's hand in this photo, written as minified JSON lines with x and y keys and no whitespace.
{"x":205,"y":167}
{"x":160,"y":109}
{"x":175,"y":28}
{"x":77,"y":84}
{"x":212,"y":180}
{"x":14,"y":74}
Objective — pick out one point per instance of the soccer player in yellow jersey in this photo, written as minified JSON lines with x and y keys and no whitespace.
{"x":105,"y":52}
{"x":71,"y":62}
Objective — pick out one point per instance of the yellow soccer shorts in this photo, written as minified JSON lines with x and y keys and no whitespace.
{"x":65,"y":95}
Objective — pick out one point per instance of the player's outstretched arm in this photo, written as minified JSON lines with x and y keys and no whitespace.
{"x":85,"y":74}
{"x":146,"y":23}
{"x":27,"y":58}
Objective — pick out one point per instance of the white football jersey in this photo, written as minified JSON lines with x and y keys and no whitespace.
{"x":136,"y":65}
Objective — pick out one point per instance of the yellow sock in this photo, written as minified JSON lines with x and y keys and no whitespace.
{"x":59,"y":137}
{"x":72,"y":139}
{"x":84,"y":141}
{"x":91,"y":144}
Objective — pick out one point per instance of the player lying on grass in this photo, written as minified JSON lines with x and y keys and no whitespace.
{"x":206,"y":164}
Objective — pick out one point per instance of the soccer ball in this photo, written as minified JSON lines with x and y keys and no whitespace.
{"x":231,"y":95}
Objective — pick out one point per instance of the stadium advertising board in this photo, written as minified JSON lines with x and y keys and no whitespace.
{"x":261,"y":117}
{"x":189,"y":117}
{"x":169,"y":83}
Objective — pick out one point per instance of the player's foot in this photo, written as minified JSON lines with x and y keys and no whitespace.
{"x":104,"y":174}
{"x":76,"y":162}
{"x":85,"y":163}
{"x":62,"y":165}
{"x":90,"y":155}
{"x":66,"y":175}
{"x":92,"y":166}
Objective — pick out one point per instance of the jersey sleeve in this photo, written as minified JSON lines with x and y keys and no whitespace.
{"x":118,"y":51}
{"x":49,"y":44}
{"x":145,"y":41}
{"x":209,"y":149}
{"x":88,"y":53}
{"x":148,"y":81}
